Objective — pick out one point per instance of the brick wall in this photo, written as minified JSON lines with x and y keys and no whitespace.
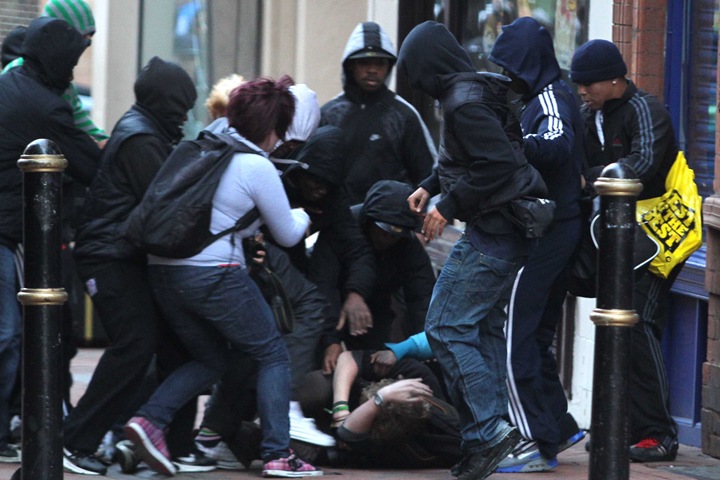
{"x":639,"y":32}
{"x":17,"y":12}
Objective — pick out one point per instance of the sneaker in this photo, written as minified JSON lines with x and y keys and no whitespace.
{"x":305,"y":430}
{"x":9,"y":454}
{"x":651,"y":450}
{"x":220,"y":452}
{"x":480,"y":465}
{"x":16,"y":429}
{"x":572,"y":441}
{"x":195,"y":462}
{"x":526,"y":458}
{"x":82,"y":463}
{"x":289,"y":467}
{"x":149,"y":441}
{"x":126,"y":456}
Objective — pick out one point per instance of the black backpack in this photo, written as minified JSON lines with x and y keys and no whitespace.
{"x":173,"y":218}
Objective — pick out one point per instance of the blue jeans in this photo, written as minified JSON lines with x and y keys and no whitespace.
{"x":212,"y":309}
{"x":10,"y":336}
{"x":464,"y":327}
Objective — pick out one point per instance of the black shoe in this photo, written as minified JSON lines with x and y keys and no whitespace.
{"x":478,"y":466}
{"x":83,"y":463}
{"x":126,"y":456}
{"x":651,"y":450}
{"x":195,"y":462}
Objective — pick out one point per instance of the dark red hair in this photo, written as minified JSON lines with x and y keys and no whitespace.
{"x":261,"y":106}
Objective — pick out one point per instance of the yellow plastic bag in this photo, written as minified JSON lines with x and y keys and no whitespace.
{"x":674,"y":219}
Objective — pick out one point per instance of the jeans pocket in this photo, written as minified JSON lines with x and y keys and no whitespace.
{"x":490,"y":276}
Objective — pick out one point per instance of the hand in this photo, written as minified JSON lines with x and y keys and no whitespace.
{"x":382,"y":361}
{"x":357,"y":313}
{"x":332,"y":352}
{"x":434,"y":225}
{"x":418,"y":200}
{"x":411,"y":390}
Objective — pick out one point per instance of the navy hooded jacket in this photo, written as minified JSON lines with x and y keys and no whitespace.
{"x":550,"y":119}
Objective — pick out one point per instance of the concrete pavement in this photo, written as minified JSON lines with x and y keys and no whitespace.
{"x":690,"y":463}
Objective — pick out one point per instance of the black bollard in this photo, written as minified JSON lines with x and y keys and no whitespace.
{"x":614,"y":318}
{"x":42,"y":298}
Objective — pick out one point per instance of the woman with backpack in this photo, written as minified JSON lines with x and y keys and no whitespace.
{"x":210,"y":300}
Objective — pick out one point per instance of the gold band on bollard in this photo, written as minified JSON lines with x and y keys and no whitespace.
{"x":618,"y":186}
{"x":614,"y":318}
{"x":42,"y":163}
{"x":42,"y":296}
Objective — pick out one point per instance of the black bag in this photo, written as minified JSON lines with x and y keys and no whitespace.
{"x":173,"y":218}
{"x":277,"y":298}
{"x":532,"y":215}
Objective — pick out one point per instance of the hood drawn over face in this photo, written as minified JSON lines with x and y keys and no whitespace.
{"x":525,"y":49}
{"x":167,"y":92}
{"x":386,"y":203}
{"x":324,"y":155}
{"x":51,"y":49}
{"x":367,"y":40}
{"x":11,"y":45}
{"x":429,"y":54}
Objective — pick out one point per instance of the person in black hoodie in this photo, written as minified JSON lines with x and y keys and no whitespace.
{"x":553,"y":143}
{"x":386,"y":138}
{"x":481,"y":169}
{"x":31,"y":107}
{"x":11,"y":45}
{"x":340,"y":263}
{"x":113,"y":270}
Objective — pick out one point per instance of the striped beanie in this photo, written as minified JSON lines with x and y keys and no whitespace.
{"x":75,"y":12}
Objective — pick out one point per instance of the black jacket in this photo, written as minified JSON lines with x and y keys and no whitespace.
{"x":481,"y":166}
{"x":386,"y":138}
{"x":141,"y":140}
{"x":341,"y":260}
{"x":550,"y":118}
{"x":405,"y":267}
{"x":31,"y":107}
{"x":638,"y":133}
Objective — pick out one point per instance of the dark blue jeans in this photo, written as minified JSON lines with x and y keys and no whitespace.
{"x":212,"y":309}
{"x":464,"y":327}
{"x":10,"y":336}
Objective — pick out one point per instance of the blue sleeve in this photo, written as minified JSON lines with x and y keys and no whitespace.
{"x":416,"y":347}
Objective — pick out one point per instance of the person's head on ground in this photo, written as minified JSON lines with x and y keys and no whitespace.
{"x":50,"y":50}
{"x":429,"y":54}
{"x":75,"y":12}
{"x":217,"y":101}
{"x":368,"y":57}
{"x":166,"y":92}
{"x":262,"y":110}
{"x":320,"y":168}
{"x":599,"y":71}
{"x":396,"y":421}
{"x":12,"y":43}
{"x":526,"y":54}
{"x":385,"y":216}
{"x":305,"y":122}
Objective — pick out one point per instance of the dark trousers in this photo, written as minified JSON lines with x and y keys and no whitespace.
{"x":122,"y":296}
{"x":649,"y":391}
{"x":537,"y":399}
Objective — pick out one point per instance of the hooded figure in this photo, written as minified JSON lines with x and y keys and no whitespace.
{"x":341,"y":262}
{"x":31,"y":108}
{"x":401,"y":261}
{"x":553,"y":144}
{"x":481,"y":166}
{"x":113,"y":271}
{"x":141,"y":140}
{"x":385,"y":136}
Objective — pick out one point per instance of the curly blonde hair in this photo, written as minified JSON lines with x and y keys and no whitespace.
{"x":395,"y":421}
{"x":219,"y":96}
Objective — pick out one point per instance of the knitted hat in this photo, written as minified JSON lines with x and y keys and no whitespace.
{"x":595,"y":61}
{"x":75,"y":12}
